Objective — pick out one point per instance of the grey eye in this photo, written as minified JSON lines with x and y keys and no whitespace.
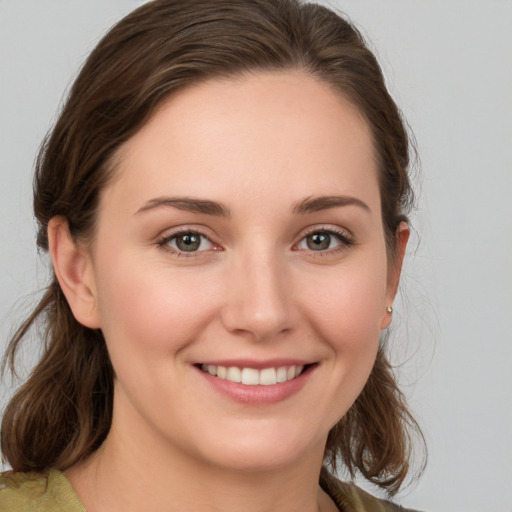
{"x":189,"y":242}
{"x":322,"y":241}
{"x":318,"y":241}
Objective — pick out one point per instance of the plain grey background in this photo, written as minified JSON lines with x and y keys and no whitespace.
{"x":448,"y":64}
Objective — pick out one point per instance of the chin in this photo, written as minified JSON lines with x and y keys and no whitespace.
{"x":263,"y":451}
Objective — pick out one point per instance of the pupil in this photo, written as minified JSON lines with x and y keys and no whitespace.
{"x":188,"y":242}
{"x":318,"y":241}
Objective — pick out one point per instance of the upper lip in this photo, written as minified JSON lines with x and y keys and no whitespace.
{"x":257,"y":364}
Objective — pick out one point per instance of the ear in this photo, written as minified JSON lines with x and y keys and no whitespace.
{"x":395,"y":269}
{"x":73,"y":268}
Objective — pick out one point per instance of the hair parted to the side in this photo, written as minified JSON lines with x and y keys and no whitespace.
{"x":63,"y":411}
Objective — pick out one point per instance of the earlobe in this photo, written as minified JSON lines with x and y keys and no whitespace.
{"x":395,"y":269}
{"x":73,"y":268}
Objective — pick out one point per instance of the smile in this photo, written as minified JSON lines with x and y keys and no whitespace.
{"x":252,"y":376}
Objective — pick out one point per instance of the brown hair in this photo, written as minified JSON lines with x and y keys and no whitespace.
{"x":63,"y":411}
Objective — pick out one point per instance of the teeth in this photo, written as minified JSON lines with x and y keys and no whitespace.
{"x":253,"y":377}
{"x":268,"y":376}
{"x":282,"y":374}
{"x":250,"y":376}
{"x":234,"y":374}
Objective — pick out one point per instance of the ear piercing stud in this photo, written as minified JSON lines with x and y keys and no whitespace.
{"x":389,"y":309}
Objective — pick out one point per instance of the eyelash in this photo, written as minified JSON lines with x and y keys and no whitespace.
{"x":163,"y":243}
{"x":345,"y":240}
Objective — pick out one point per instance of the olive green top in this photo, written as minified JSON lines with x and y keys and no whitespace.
{"x":36,"y":492}
{"x":52,"y":492}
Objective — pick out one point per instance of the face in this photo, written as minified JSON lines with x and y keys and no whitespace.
{"x":239,"y":271}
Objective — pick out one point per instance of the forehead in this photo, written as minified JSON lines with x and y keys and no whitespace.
{"x":237,"y":135}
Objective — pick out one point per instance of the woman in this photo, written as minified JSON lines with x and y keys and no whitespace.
{"x":224,"y":200}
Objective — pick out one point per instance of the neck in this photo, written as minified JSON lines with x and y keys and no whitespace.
{"x":145,"y":473}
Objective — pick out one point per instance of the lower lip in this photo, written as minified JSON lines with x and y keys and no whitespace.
{"x":258,"y":395}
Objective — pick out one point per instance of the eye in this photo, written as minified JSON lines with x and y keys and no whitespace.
{"x":323,"y":240}
{"x":186,"y":242}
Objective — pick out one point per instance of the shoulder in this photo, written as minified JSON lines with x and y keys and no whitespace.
{"x":350,"y":498}
{"x":37,"y":492}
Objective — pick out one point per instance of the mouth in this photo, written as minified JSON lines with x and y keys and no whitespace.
{"x":253,"y":376}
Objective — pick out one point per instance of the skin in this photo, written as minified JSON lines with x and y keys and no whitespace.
{"x":258,"y":145}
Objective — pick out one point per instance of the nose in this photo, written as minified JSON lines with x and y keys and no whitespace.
{"x":259,"y":301}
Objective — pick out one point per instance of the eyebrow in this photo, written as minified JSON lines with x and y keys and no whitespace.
{"x":189,"y":204}
{"x":319,"y":203}
{"x":208,"y":207}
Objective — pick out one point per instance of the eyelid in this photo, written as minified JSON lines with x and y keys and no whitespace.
{"x":163,"y":240}
{"x":345,"y":237}
{"x":327,"y":228}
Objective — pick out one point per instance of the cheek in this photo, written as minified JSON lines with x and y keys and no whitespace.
{"x":152,"y":309}
{"x":345,"y":310}
{"x":348,"y":307}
